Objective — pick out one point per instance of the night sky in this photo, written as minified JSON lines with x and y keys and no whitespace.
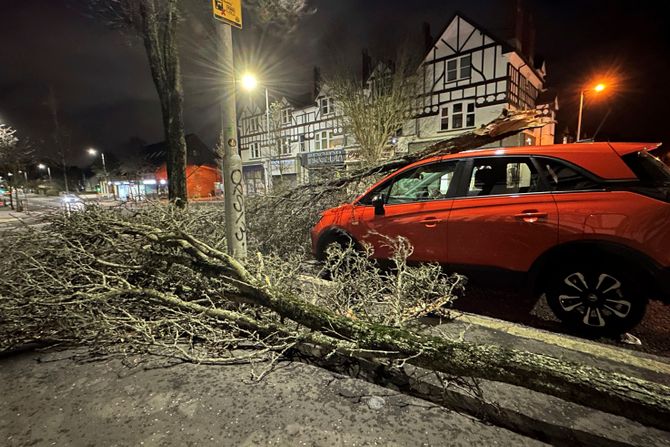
{"x":106,"y":96}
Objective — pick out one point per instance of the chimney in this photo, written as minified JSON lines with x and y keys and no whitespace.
{"x":317,"y":81}
{"x":516,"y":38}
{"x":366,"y":63}
{"x":427,"y":38}
{"x":529,"y":44}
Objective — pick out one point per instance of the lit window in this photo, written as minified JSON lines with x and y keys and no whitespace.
{"x":324,"y":140}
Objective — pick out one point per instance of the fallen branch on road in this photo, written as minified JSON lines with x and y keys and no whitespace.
{"x":102,"y":277}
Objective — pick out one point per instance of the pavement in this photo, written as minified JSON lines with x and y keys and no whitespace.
{"x":71,"y":398}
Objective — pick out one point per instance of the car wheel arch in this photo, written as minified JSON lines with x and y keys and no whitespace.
{"x":637,"y":262}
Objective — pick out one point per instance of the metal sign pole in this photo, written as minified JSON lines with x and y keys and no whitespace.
{"x":236,"y":229}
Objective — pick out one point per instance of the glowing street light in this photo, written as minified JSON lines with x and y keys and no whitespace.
{"x":597,"y":89}
{"x":94,"y":152}
{"x":42,"y":166}
{"x":249,"y":82}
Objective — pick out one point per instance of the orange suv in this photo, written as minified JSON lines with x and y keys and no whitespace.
{"x":587,"y":224}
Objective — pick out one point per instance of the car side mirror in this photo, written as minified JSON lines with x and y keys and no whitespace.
{"x":378,"y":203}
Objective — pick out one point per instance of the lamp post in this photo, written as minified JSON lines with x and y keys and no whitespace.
{"x":249,"y":83}
{"x":42,"y":166}
{"x":598,"y":88}
{"x":94,"y":152}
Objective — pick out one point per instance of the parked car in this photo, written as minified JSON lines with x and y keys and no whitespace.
{"x":588,"y":224}
{"x":71,"y":202}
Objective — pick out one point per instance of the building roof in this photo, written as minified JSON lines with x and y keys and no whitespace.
{"x":197,"y":152}
{"x":506,"y":46}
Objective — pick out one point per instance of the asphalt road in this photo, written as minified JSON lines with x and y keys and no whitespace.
{"x":54,"y":399}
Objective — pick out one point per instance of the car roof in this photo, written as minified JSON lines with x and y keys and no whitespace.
{"x":601,"y":158}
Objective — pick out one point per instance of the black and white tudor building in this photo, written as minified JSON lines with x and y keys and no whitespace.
{"x":468,"y":76}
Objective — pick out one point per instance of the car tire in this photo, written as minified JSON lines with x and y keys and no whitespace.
{"x":595,"y":298}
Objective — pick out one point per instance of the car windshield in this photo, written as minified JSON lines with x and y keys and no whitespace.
{"x":649,"y":169}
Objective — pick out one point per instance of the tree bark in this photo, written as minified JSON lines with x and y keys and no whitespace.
{"x":159,"y":33}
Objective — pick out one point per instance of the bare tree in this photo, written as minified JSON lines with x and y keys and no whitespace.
{"x":156,"y":22}
{"x":15,"y":156}
{"x":59,"y":136}
{"x":8,"y":138}
{"x":282,"y":14}
{"x":374,"y":112}
{"x":277,"y":145}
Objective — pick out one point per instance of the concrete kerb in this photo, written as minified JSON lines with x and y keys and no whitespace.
{"x":536,"y":415}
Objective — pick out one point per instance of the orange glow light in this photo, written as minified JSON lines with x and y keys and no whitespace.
{"x":599,"y":87}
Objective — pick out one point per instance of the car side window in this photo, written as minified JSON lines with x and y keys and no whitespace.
{"x":503,"y":175}
{"x":423,"y":183}
{"x":561,"y":177}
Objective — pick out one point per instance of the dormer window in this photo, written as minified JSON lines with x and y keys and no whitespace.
{"x":460,"y":68}
{"x":325,"y":106}
{"x":253,"y":124}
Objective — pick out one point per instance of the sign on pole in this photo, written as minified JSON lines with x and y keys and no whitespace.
{"x":228,"y":11}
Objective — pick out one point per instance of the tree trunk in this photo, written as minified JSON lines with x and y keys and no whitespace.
{"x":637,"y":399}
{"x":159,"y":32}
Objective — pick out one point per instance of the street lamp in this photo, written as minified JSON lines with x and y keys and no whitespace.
{"x":597,"y":89}
{"x":249,"y":83}
{"x":42,"y":166}
{"x":94,"y":152}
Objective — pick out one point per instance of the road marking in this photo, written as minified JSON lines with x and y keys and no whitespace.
{"x":565,"y":341}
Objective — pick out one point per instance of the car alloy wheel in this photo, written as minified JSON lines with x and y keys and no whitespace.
{"x":595,"y":298}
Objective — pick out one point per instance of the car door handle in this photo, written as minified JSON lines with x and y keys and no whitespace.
{"x":430,"y":222}
{"x":531,"y":216}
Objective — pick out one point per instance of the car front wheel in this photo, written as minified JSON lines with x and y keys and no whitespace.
{"x":596,"y":300}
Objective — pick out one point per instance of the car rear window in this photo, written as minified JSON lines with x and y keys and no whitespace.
{"x":561,"y":177}
{"x":649,"y":169}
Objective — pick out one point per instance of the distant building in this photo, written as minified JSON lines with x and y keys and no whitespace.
{"x":468,"y":78}
{"x":203,"y":176}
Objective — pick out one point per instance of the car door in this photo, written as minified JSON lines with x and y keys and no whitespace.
{"x":416,"y":206}
{"x":503,"y":217}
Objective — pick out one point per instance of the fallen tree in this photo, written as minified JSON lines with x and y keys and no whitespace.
{"x":107,"y":277}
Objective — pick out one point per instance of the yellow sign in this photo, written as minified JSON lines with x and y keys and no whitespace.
{"x":229,"y":11}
